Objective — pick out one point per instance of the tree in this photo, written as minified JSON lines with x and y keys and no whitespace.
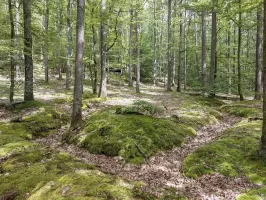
{"x":213,"y":53}
{"x":203,"y":35}
{"x":138,"y":53}
{"x":28,"y":87}
{"x":239,"y":82}
{"x":103,"y":51}
{"x":69,"y":40}
{"x":12,"y":61}
{"x":130,"y":81}
{"x":76,"y":118}
{"x":258,"y":86}
{"x":169,"y":49}
{"x":46,"y":26}
{"x":262,"y":150}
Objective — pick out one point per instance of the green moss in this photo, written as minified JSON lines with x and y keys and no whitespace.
{"x":244,"y":109}
{"x":26,"y":105}
{"x":142,"y":107}
{"x":133,"y":137}
{"x":40,"y":174}
{"x":40,"y":124}
{"x":231,"y":155}
{"x":256,"y":194}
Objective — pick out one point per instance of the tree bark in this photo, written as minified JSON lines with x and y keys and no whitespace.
{"x":169,"y":47}
{"x":229,"y":61}
{"x":46,"y":27}
{"x":58,"y":39}
{"x":258,"y":86}
{"x":17,"y":33}
{"x":130,"y":81}
{"x":213,"y":54}
{"x":28,"y":87}
{"x":180,"y":54}
{"x":69,"y":40}
{"x":262,"y":150}
{"x":94,"y":69}
{"x":12,"y":60}
{"x":154,"y":44}
{"x":76,"y":118}
{"x":103,"y":49}
{"x":239,"y":82}
{"x":138,"y":54}
{"x":204,"y":51}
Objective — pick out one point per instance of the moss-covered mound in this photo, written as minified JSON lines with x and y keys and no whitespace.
{"x":16,"y":135}
{"x":256,"y":194}
{"x":38,"y":173}
{"x":233,"y":154}
{"x":244,"y":109}
{"x":133,"y":137}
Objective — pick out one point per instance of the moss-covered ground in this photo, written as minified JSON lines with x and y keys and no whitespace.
{"x":235,"y":153}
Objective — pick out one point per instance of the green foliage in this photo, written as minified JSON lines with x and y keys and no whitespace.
{"x":256,"y":194}
{"x":233,"y":154}
{"x":132,"y":137}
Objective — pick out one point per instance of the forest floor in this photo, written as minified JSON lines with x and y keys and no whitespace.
{"x":167,"y":170}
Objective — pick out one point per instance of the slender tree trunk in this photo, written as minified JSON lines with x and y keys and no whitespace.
{"x":196,"y":45}
{"x":213,"y":54}
{"x":103,"y":49}
{"x":262,"y":150}
{"x":76,"y":118}
{"x":204,"y":73}
{"x":138,"y":54}
{"x":154,"y":44}
{"x":169,"y":45}
{"x":180,"y":54}
{"x":258,"y":86}
{"x":185,"y":52}
{"x":45,"y":55}
{"x":12,"y":60}
{"x":228,"y":61}
{"x":28,"y":90}
{"x":239,"y":82}
{"x":69,"y":40}
{"x":94,"y":70}
{"x":130,"y":81}
{"x":17,"y":33}
{"x":59,"y":39}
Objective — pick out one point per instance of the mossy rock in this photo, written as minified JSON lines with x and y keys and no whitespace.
{"x":232,"y":154}
{"x":133,"y":137}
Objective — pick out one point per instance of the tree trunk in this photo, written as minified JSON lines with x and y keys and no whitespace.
{"x":12,"y":60}
{"x":154,"y":44}
{"x":228,"y":61}
{"x":213,"y":54}
{"x":130,"y":81}
{"x":17,"y":33}
{"x":58,"y":39}
{"x":45,"y":55}
{"x":204,"y":73}
{"x":258,"y":86}
{"x":262,"y":150}
{"x":138,"y":54}
{"x":94,"y":70}
{"x":76,"y":118}
{"x":69,"y":40}
{"x":239,"y":82}
{"x":169,"y":49}
{"x":103,"y":49}
{"x":180,"y":54}
{"x":28,"y":90}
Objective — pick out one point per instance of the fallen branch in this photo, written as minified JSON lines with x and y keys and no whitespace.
{"x":143,"y":154}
